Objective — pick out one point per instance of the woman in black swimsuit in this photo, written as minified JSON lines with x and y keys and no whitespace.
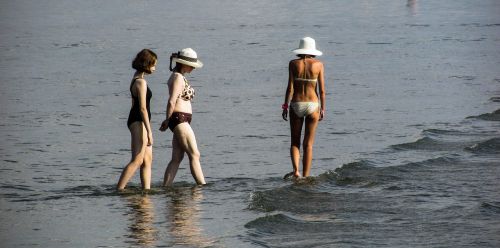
{"x":179,"y":113}
{"x":139,"y":121}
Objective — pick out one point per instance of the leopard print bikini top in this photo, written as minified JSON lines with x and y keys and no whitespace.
{"x":188,"y":91}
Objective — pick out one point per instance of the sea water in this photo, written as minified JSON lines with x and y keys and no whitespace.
{"x":408,"y":154}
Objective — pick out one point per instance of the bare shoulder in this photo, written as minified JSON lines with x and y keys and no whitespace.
{"x":294,"y":64}
{"x":138,"y":86}
{"x":294,"y":61}
{"x":140,"y":83}
{"x":173,"y":77}
{"x":317,"y":63}
{"x":176,"y":79}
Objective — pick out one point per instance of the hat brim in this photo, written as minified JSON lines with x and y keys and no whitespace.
{"x":308,"y":52}
{"x":197,"y":64}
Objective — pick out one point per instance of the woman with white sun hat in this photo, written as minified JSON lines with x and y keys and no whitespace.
{"x":306,"y":94}
{"x":179,"y":114}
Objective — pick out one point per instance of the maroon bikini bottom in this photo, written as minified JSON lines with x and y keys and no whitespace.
{"x":178,"y":118}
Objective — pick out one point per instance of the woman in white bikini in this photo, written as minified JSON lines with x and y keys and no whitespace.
{"x":306,"y":78}
{"x":178,"y":117}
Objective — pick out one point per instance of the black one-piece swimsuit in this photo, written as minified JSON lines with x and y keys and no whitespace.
{"x":135,"y":112}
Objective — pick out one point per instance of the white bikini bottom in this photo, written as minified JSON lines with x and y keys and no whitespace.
{"x":302,"y":109}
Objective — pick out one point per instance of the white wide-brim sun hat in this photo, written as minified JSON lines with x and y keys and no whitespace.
{"x":188,"y":56}
{"x":307,"y":46}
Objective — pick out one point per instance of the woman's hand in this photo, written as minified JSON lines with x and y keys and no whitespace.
{"x":164,"y":125}
{"x":150,"y":139}
{"x":285,"y":114}
{"x":321,"y":114}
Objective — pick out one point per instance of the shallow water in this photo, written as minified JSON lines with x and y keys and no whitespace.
{"x":407,"y":156}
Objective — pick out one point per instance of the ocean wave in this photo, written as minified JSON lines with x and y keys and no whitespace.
{"x":280,"y":230}
{"x":494,"y":116}
{"x":491,"y":206}
{"x":292,"y":198}
{"x":362,"y":173}
{"x":327,"y":190}
{"x":456,"y":134}
{"x":442,"y":132}
{"x":365,"y":174}
{"x":434,"y":144}
{"x":439,"y":161}
{"x":7,"y":186}
{"x":82,"y":191}
{"x":495,"y":98}
{"x":425,"y":143}
{"x":491,"y":146}
{"x":274,"y":219}
{"x":280,"y":219}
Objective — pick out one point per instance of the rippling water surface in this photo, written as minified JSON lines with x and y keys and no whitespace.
{"x":407,"y":156}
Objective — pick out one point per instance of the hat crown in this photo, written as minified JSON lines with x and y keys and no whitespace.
{"x":307,"y":43}
{"x":188,"y":52}
{"x":186,"y":56}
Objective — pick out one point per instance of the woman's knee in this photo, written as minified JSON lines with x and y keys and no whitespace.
{"x":147,"y":161}
{"x":309,"y":147}
{"x":146,"y":166}
{"x":308,"y":144}
{"x":137,"y":160}
{"x":296,"y":141}
{"x":148,"y":155}
{"x":177,"y":159}
{"x":194,"y":155}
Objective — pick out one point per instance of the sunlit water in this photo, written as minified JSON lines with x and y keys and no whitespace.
{"x":407,"y":156}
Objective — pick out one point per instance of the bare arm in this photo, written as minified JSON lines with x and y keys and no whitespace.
{"x":141,"y":89}
{"x":289,"y":91}
{"x":175,"y":90}
{"x":322,"y":92}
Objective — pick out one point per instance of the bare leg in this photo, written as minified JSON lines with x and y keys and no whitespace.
{"x":295,"y":130}
{"x":146,"y":168}
{"x":187,"y":140}
{"x":138,"y":146}
{"x":146,"y":165}
{"x":309,"y":135}
{"x":173,"y":165}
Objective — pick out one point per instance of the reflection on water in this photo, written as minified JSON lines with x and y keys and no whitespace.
{"x":142,"y":230}
{"x":183,"y":213}
{"x":182,"y":210}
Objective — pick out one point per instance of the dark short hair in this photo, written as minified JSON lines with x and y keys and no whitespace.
{"x":144,"y":60}
{"x":304,"y":55}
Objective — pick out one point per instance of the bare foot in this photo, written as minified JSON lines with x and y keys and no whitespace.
{"x":291,"y":175}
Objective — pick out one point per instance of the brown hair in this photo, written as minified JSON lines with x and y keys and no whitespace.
{"x":144,"y":60}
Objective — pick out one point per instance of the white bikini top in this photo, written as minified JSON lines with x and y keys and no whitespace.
{"x":303,"y":78}
{"x":306,"y":80}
